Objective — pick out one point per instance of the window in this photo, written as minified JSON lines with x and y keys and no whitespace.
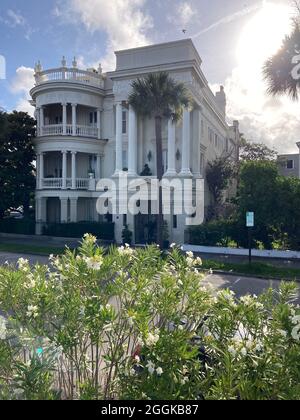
{"x":290,"y":164}
{"x":202,"y":163}
{"x":175,"y":222}
{"x":165,"y":161}
{"x":216,"y":140}
{"x":124,"y":122}
{"x":202,"y":128}
{"x":91,"y":118}
{"x":124,"y":160}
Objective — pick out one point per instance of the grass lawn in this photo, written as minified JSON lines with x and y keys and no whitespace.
{"x":255,"y":269}
{"x":30,"y":249}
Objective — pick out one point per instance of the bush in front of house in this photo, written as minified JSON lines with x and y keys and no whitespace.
{"x":131,"y":324}
{"x":217,"y":233}
{"x":104,"y":231}
{"x":18,"y":226}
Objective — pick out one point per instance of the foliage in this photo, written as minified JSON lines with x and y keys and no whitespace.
{"x":130,"y":324}
{"x":218,"y":175}
{"x":278,"y":68}
{"x":18,"y":226}
{"x":17,"y":180}
{"x":104,"y":231}
{"x":215,"y":233}
{"x":250,"y":151}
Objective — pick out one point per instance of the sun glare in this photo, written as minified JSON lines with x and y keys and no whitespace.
{"x":263,"y":34}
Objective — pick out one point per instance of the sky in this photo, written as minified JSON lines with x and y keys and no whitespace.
{"x":234,"y":38}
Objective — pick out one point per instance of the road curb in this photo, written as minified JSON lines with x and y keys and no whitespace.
{"x":254,"y":276}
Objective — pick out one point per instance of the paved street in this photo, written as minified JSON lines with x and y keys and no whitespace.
{"x":240,"y":285}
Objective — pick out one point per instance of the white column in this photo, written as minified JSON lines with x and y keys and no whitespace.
{"x":74,"y":176}
{"x":42,"y":120}
{"x":64,"y":210}
{"x":64,"y":170}
{"x":37,"y":172}
{"x":132,"y":143}
{"x":186,"y":143}
{"x":99,"y":123}
{"x":171,"y":149}
{"x":74,"y":119}
{"x":197,"y":141}
{"x":41,"y":170}
{"x":64,"y":118}
{"x":98,"y":167}
{"x":73,"y":209}
{"x":119,"y":147}
{"x":38,"y":121}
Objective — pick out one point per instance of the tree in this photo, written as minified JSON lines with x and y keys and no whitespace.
{"x":159,"y":96}
{"x":218,"y":174}
{"x":17,"y":180}
{"x":282,"y":70}
{"x":250,"y":151}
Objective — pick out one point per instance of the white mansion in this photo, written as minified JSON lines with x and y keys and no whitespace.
{"x":86,"y":132}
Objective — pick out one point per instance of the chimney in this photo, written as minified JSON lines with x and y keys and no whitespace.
{"x":221,"y":100}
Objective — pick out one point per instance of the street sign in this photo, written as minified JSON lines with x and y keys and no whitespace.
{"x":250,"y":219}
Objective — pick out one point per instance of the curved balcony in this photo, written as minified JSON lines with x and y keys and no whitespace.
{"x":69,"y":130}
{"x":69,"y":75}
{"x":57,"y":183}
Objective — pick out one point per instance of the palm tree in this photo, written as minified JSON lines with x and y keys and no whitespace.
{"x":278,"y":70}
{"x":159,"y":96}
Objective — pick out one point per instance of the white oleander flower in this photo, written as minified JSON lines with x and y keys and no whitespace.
{"x":295,"y":319}
{"x":184,"y":380}
{"x":152,"y":339}
{"x":232,"y":351}
{"x":296,"y":333}
{"x":151,"y":367}
{"x":159,"y":371}
{"x":244,"y":352}
{"x":3,"y":328}
{"x":90,"y":238}
{"x":190,"y":254}
{"x":172,"y":246}
{"x":23,"y":265}
{"x":32,"y":311}
{"x":94,"y":263}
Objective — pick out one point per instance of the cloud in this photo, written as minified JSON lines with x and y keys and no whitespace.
{"x":184,"y":15}
{"x":124,"y":22}
{"x":21,"y":85}
{"x":15,"y":19}
{"x":230,"y":18}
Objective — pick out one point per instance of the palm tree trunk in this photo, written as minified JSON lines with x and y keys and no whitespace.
{"x":159,"y":165}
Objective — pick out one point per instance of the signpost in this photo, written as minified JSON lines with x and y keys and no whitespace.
{"x":250,"y":225}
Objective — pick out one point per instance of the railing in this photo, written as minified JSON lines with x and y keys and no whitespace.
{"x":57,"y":183}
{"x":52,"y":183}
{"x":69,"y":75}
{"x":58,"y":130}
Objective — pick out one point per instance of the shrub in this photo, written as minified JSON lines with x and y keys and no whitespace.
{"x":130,"y":324}
{"x":20,"y":227}
{"x":218,"y":233}
{"x":103,"y":231}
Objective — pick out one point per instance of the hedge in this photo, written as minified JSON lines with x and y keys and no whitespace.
{"x":18,"y":226}
{"x":219,"y":233}
{"x":105,"y":231}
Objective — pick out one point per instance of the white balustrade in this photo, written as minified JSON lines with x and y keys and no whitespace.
{"x":57,"y":130}
{"x":57,"y":183}
{"x":69,"y":75}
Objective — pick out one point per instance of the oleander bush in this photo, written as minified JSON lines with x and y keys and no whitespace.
{"x":136,"y":324}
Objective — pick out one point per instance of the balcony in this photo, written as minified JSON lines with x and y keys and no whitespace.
{"x":69,"y":130}
{"x":69,"y":75}
{"x":57,"y":183}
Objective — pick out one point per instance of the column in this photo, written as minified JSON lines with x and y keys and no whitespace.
{"x":41,"y":170}
{"x":42,"y":120}
{"x":197,"y":141}
{"x":64,"y":210}
{"x":74,"y":119}
{"x":64,"y":170}
{"x":186,"y":143}
{"x":119,"y":147}
{"x":73,"y":209}
{"x":38,"y":121}
{"x":37,"y":171}
{"x":132,"y":143}
{"x":99,"y":123}
{"x":64,"y":118}
{"x":171,"y":149}
{"x":98,"y":167}
{"x":74,"y":175}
